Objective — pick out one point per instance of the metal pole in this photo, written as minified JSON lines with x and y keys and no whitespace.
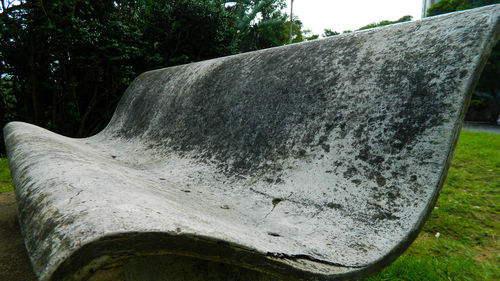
{"x":290,"y":38}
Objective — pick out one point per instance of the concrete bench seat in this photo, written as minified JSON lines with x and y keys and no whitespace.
{"x":312,"y":161}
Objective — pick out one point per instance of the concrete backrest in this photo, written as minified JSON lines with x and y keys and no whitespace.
{"x":318,"y":160}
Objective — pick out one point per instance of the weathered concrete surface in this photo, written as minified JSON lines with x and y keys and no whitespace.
{"x":319,"y":160}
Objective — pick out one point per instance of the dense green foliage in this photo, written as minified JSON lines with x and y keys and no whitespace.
{"x":67,"y":62}
{"x":328,"y":33}
{"x":262,"y":24}
{"x":447,"y":6}
{"x":466,"y":216}
{"x":64,"y":64}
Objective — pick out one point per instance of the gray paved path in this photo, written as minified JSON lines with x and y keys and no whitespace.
{"x":481,"y":127}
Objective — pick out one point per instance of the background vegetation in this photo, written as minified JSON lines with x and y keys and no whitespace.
{"x":64,"y":64}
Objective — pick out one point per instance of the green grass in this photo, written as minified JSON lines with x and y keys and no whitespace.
{"x":467,"y":217}
{"x":5,"y":180}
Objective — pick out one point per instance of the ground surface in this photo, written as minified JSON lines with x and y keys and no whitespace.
{"x":467,"y":218}
{"x":14,"y":263}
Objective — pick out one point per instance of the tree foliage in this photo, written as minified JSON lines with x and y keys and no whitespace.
{"x":64,"y":64}
{"x":386,"y":22}
{"x":67,"y":62}
{"x":263,"y":24}
{"x":448,"y":6}
{"x":328,"y":33}
{"x":308,"y":35}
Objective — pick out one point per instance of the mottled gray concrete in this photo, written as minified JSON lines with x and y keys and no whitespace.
{"x":318,"y":160}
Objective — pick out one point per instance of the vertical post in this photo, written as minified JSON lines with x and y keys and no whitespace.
{"x":290,"y":38}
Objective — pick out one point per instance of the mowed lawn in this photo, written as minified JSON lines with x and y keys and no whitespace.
{"x":467,"y":218}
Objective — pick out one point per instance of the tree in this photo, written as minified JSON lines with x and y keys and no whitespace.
{"x":448,"y":6}
{"x":64,"y":64}
{"x":263,"y":24}
{"x":183,"y":31}
{"x":271,"y":33}
{"x":386,"y":22}
{"x":308,"y":35}
{"x":329,"y":33}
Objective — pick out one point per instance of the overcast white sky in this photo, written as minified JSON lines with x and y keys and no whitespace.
{"x":340,"y":15}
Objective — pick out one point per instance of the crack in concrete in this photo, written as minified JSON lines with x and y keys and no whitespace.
{"x":309,"y":258}
{"x":71,"y":198}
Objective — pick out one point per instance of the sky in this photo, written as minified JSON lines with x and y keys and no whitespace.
{"x":340,"y":15}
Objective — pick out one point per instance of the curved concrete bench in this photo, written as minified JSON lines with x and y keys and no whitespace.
{"x":318,"y":160}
